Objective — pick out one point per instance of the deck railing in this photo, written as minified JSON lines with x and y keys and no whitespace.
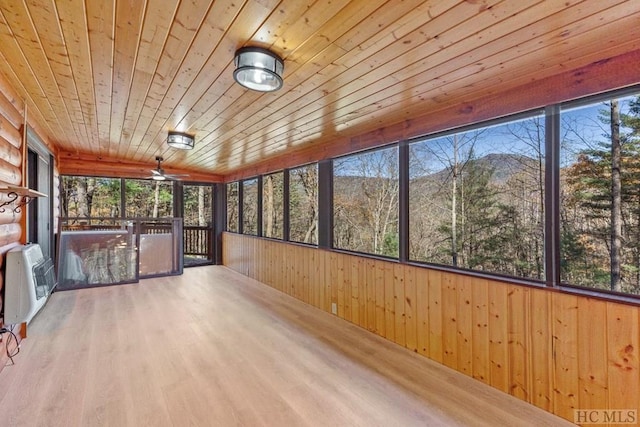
{"x":196,"y":239}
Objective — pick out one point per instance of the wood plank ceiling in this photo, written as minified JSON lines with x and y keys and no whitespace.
{"x":109,"y":78}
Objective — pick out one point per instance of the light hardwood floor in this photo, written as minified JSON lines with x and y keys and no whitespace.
{"x":214,"y":348}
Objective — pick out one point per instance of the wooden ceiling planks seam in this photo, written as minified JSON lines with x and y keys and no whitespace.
{"x":526,"y":73}
{"x":50,"y":43}
{"x":252,"y":25}
{"x":403,"y":97}
{"x":212,"y":30}
{"x":13,"y":65}
{"x":597,"y":76}
{"x":129,"y":18}
{"x":396,"y":67}
{"x":101,"y":35}
{"x":230,"y":91}
{"x":109,"y":78}
{"x":320,"y":124}
{"x":188,"y":20}
{"x":261,"y":149}
{"x":155,"y":34}
{"x":304,"y":80}
{"x":53,"y":75}
{"x":75,"y":42}
{"x":395,"y":77}
{"x":211,"y":84}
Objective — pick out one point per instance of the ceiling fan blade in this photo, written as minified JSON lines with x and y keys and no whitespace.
{"x":176,"y":177}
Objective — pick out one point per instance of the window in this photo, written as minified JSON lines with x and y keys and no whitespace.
{"x":476,"y":199}
{"x":303,"y":204}
{"x":197,"y":205}
{"x":365,"y":202}
{"x":250,"y":206}
{"x":85,"y":197}
{"x":148,"y":198}
{"x":600,"y":196}
{"x":272,"y":205}
{"x":232,"y":207}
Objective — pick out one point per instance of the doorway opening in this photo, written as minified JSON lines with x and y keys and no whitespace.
{"x":197,"y":214}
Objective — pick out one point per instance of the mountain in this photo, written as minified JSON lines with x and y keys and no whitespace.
{"x":503,"y":165}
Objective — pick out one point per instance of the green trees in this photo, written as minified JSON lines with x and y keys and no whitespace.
{"x":93,"y":197}
{"x":83,"y":197}
{"x":365,"y":202}
{"x":476,"y":199}
{"x":233,"y":201}
{"x":601,"y":208}
{"x":303,"y":204}
{"x":272,"y":205}
{"x":250,"y":206}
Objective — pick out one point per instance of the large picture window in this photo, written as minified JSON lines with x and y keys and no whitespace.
{"x":303,"y":204}
{"x":232,"y":207}
{"x":600,"y":195}
{"x":476,"y":199}
{"x":272,"y":205}
{"x":99,"y":199}
{"x":250,"y":206}
{"x":85,"y":197}
{"x":148,"y":198}
{"x":365,"y":202}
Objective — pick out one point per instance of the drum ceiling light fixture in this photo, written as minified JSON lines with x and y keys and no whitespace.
{"x":258,"y":69}
{"x":180,"y":140}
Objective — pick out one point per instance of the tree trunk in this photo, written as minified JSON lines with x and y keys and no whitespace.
{"x":201,"y":219}
{"x":81,"y":194}
{"x":268,"y":205}
{"x":616,"y":199}
{"x":85,"y":188}
{"x":156,"y":200}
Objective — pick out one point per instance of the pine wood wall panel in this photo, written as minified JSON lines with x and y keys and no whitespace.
{"x":623,"y":356}
{"x":480,"y":331}
{"x":558,"y":351}
{"x":541,"y":350}
{"x":592,"y":363}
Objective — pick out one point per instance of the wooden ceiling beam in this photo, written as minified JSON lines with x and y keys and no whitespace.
{"x":92,"y":165}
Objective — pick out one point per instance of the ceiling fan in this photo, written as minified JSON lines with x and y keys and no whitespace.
{"x":158,"y":174}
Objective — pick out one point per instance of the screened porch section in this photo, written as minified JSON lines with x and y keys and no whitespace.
{"x":102,"y":255}
{"x":108,"y":205}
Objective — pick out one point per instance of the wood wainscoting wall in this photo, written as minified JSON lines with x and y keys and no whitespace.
{"x":555,"y":350}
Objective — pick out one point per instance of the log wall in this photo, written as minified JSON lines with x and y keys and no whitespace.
{"x":13,"y":123}
{"x":556,"y":350}
{"x":11,"y":140}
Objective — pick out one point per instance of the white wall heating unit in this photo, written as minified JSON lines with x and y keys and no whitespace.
{"x":29,"y":280}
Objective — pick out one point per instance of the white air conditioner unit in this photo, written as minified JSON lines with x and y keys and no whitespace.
{"x":29,"y":280}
